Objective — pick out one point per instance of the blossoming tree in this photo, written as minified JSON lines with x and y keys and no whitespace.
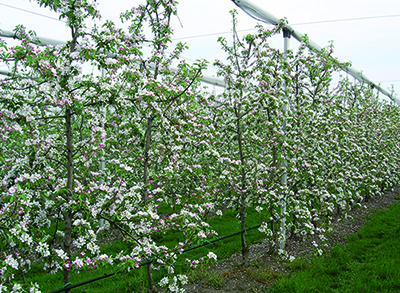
{"x":62,"y":123}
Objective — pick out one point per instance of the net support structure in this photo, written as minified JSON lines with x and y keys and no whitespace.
{"x":262,"y":15}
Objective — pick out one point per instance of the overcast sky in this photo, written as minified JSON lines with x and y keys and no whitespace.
{"x":372,"y":45}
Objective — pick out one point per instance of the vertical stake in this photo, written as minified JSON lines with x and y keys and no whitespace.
{"x":372,"y":93}
{"x":286,"y":37}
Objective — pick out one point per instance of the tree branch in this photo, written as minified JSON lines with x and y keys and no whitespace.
{"x":51,"y":117}
{"x":61,"y":163}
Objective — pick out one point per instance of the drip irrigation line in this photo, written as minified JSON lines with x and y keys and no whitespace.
{"x":228,"y":236}
{"x":96,"y":279}
{"x":87,"y":282}
{"x":150,"y":261}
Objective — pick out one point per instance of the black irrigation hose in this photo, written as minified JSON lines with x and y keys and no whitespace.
{"x":87,"y":282}
{"x":96,"y":279}
{"x":228,"y":236}
{"x":149,"y":261}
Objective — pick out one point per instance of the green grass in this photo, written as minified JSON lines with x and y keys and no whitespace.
{"x":203,"y":275}
{"x":369,"y":262}
{"x":136,"y":281}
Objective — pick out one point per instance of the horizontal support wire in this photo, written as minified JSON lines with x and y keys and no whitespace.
{"x":150,"y":261}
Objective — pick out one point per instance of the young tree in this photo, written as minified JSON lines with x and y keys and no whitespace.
{"x":251,"y":121}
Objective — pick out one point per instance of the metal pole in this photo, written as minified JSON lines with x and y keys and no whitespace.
{"x":286,"y":37}
{"x":372,"y":93}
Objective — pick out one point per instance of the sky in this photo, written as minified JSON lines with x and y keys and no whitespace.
{"x":371,"y":44}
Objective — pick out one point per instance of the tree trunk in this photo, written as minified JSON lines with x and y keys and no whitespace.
{"x":145,"y":181}
{"x":146,"y":157}
{"x":245,"y":249}
{"x":68,"y":195}
{"x":273,"y":163}
{"x":152,"y":289}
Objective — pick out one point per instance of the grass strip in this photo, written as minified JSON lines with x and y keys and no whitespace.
{"x":368,"y":262}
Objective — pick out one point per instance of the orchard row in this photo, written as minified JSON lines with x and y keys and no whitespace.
{"x":82,"y":153}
